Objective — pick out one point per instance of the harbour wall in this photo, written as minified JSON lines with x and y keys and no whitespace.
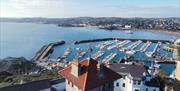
{"x":106,"y":39}
{"x":46,"y":49}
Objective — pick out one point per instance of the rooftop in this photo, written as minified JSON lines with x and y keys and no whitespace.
{"x":136,"y":71}
{"x":88,"y":78}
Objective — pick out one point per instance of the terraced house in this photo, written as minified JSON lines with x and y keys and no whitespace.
{"x":134,"y":78}
{"x":90,"y":75}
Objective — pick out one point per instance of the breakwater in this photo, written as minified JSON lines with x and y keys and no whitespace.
{"x":46,"y":49}
{"x":121,"y":39}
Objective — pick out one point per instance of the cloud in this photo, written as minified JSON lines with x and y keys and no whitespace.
{"x":77,"y":8}
{"x":141,"y":11}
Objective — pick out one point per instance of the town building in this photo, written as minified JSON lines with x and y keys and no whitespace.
{"x":127,"y":26}
{"x":134,"y":78}
{"x":177,"y":71}
{"x":88,"y":75}
{"x":177,"y":42}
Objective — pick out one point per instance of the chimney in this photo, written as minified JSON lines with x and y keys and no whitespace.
{"x":75,"y":68}
{"x":100,"y":70}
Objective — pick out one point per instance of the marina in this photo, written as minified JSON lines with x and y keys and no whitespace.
{"x":120,"y":47}
{"x":66,"y":53}
{"x":108,"y":41}
{"x":80,"y":53}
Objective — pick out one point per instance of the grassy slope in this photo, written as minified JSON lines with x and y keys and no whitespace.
{"x":15,"y":79}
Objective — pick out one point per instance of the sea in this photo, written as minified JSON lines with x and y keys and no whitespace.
{"x":25,"y":39}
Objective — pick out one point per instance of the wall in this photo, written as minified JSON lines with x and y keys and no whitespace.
{"x":131,"y":85}
{"x":71,"y":87}
{"x":151,"y":88}
{"x":30,"y":86}
{"x":177,"y":72}
{"x":104,"y":87}
{"x":137,"y":86}
{"x":128,"y":84}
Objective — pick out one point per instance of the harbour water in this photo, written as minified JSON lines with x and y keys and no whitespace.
{"x":25,"y":39}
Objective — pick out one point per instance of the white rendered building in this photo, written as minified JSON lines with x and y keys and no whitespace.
{"x":134,"y":78}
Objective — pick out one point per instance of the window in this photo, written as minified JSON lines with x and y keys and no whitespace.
{"x":68,"y":82}
{"x":123,"y":85}
{"x":139,"y":82}
{"x":109,"y":85}
{"x":154,"y":90}
{"x":72,"y":85}
{"x":136,"y":90}
{"x":134,"y":82}
{"x":117,"y":84}
{"x":146,"y":89}
{"x":104,"y":87}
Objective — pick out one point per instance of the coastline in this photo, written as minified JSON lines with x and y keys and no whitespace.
{"x":151,"y":30}
{"x":165,"y":32}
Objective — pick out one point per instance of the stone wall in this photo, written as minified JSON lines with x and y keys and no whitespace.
{"x":30,"y":86}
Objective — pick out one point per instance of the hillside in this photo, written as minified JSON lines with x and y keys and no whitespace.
{"x":16,"y":65}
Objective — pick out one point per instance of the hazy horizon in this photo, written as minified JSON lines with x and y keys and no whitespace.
{"x":87,"y":17}
{"x":89,"y":8}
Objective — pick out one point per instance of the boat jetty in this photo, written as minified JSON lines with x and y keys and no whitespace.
{"x":157,"y":47}
{"x":123,"y":44}
{"x":105,"y":44}
{"x":132,"y":46}
{"x":145,"y":46}
{"x":98,"y":54}
{"x":116,"y":45}
{"x":109,"y":58}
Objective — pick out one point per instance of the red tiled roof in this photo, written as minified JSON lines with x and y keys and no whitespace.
{"x":88,"y":79}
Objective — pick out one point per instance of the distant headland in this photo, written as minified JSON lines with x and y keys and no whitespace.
{"x":169,"y":25}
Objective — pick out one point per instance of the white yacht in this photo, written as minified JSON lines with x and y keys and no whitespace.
{"x":128,"y":31}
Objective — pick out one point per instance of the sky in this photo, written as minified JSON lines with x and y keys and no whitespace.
{"x":89,"y":8}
